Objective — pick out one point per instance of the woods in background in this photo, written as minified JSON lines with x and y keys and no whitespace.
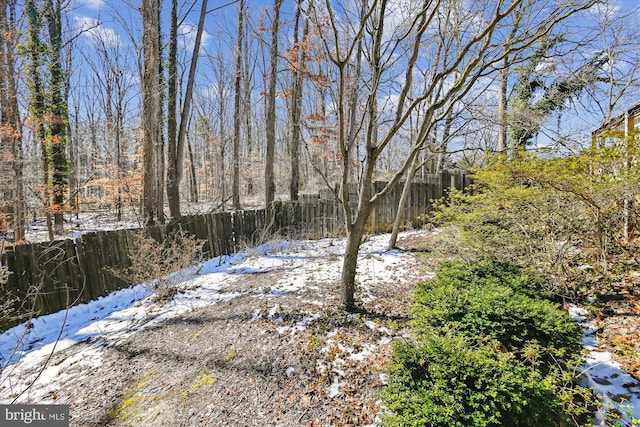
{"x":107,"y":108}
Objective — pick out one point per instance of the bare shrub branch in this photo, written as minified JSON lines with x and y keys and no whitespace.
{"x":162,"y":265}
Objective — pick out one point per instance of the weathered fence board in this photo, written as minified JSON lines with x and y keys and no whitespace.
{"x":80,"y":270}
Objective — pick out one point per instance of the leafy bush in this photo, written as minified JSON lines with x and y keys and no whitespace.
{"x":489,"y":350}
{"x":549,"y":212}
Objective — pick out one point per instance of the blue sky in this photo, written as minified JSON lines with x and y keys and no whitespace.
{"x":220,"y":29}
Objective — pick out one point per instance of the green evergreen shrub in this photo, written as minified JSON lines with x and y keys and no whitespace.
{"x":486,"y":308}
{"x":443,"y":381}
{"x":488,"y":350}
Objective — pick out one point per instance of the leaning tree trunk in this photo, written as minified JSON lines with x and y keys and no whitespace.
{"x":178,"y":158}
{"x":192,"y":172}
{"x":406,"y":190}
{"x":350,"y":262}
{"x":247,"y":111}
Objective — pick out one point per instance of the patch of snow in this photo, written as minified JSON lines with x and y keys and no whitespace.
{"x":616,"y":389}
{"x":578,"y":314}
{"x":384,"y":378}
{"x":321,"y":367}
{"x":300,"y":325}
{"x":334,"y":390}
{"x":376,"y":327}
{"x":367,"y":351}
{"x":384,"y":341}
{"x":273,"y":311}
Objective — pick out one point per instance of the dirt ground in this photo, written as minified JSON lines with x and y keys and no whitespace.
{"x":272,"y":360}
{"x":618,"y":321}
{"x":255,"y":360}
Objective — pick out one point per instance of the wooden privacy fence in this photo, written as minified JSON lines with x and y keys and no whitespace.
{"x":319,"y":215}
{"x":50,"y":276}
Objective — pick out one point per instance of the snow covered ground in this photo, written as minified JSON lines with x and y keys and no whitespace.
{"x":616,"y":388}
{"x":27,"y":351}
{"x":111,"y":319}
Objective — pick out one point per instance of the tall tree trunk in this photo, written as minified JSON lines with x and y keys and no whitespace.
{"x":502,"y":107}
{"x":173,"y":190}
{"x":192,"y":169}
{"x":269,"y":177}
{"x":10,"y":126}
{"x":59,"y":115}
{"x":71,"y":150}
{"x":120,"y":175}
{"x":160,"y":146}
{"x":366,"y":204}
{"x":151,"y":106}
{"x":178,"y":154}
{"x":73,"y":131}
{"x":222,"y":170}
{"x":37,"y":105}
{"x":296,"y":104}
{"x":18,"y":190}
{"x":247,"y":111}
{"x":237,"y":110}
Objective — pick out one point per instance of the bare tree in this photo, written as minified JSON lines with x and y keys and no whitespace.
{"x":447,"y":47}
{"x":175,"y":170}
{"x":213,"y":112}
{"x":297,"y":64}
{"x":152,"y":145}
{"x":173,"y":187}
{"x":248,"y":112}
{"x":237,"y":110}
{"x":112,"y":84}
{"x":270,"y":117}
{"x":10,"y":123}
{"x":618,"y":85}
{"x":57,"y":133}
